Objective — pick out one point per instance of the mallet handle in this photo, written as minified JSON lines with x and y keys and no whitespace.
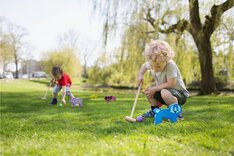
{"x":134,"y":105}
{"x":47,"y":90}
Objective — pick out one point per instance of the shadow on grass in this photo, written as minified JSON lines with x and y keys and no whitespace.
{"x":41,"y":81}
{"x":26,"y":102}
{"x":23,"y":102}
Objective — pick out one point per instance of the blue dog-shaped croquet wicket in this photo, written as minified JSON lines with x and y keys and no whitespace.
{"x":170,"y":113}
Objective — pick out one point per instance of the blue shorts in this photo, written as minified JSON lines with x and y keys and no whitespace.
{"x":57,"y":89}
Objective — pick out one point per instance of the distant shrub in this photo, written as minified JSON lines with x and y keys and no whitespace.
{"x":221,"y":79}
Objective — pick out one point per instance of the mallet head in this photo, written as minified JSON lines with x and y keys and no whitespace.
{"x":130,"y":119}
{"x":43,"y":98}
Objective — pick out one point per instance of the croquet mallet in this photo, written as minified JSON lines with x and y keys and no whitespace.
{"x":45,"y":96}
{"x":130,"y":118}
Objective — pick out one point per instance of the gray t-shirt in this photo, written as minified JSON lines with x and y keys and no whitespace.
{"x":170,"y":71}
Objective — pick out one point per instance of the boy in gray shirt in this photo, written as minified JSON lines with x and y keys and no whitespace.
{"x":169,"y":87}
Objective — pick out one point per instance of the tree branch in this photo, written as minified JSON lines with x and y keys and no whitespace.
{"x":149,"y":18}
{"x":176,"y":28}
{"x":212,"y":22}
{"x":194,"y":16}
{"x":150,"y":32}
{"x":179,"y":27}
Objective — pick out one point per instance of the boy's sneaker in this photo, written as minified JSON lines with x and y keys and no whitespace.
{"x":180,"y":117}
{"x":54,"y":101}
{"x":149,"y":113}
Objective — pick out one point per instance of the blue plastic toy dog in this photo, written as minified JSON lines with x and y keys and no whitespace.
{"x":170,"y":113}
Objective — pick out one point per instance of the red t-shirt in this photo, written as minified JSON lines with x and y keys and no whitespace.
{"x":65,"y":80}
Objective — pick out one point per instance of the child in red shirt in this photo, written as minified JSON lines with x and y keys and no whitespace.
{"x":63,"y":82}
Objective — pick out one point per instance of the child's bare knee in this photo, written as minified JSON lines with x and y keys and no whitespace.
{"x":168,"y":97}
{"x":165,"y":93}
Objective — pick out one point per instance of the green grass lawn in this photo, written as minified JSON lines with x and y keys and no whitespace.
{"x":29,"y":126}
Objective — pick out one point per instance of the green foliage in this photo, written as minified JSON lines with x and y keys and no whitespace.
{"x":221,"y":70}
{"x":99,"y":75}
{"x":230,"y":60}
{"x":186,"y":58}
{"x":129,"y":58}
{"x":144,"y":19}
{"x":5,"y":50}
{"x":123,"y":68}
{"x":29,"y":126}
{"x":66,"y":58}
{"x":223,"y":55}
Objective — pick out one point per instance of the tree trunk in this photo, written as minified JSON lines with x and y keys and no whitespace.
{"x":203,"y":44}
{"x":16,"y":64}
{"x":85,"y":71}
{"x":16,"y":70}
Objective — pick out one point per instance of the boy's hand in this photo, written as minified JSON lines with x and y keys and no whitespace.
{"x":149,"y":92}
{"x":64,"y":101}
{"x":52,"y":81}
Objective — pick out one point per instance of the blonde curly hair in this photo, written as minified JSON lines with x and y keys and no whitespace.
{"x":159,"y":48}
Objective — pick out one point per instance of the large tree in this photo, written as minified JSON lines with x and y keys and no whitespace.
{"x":66,"y":58}
{"x":14,"y":37}
{"x":201,"y":32}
